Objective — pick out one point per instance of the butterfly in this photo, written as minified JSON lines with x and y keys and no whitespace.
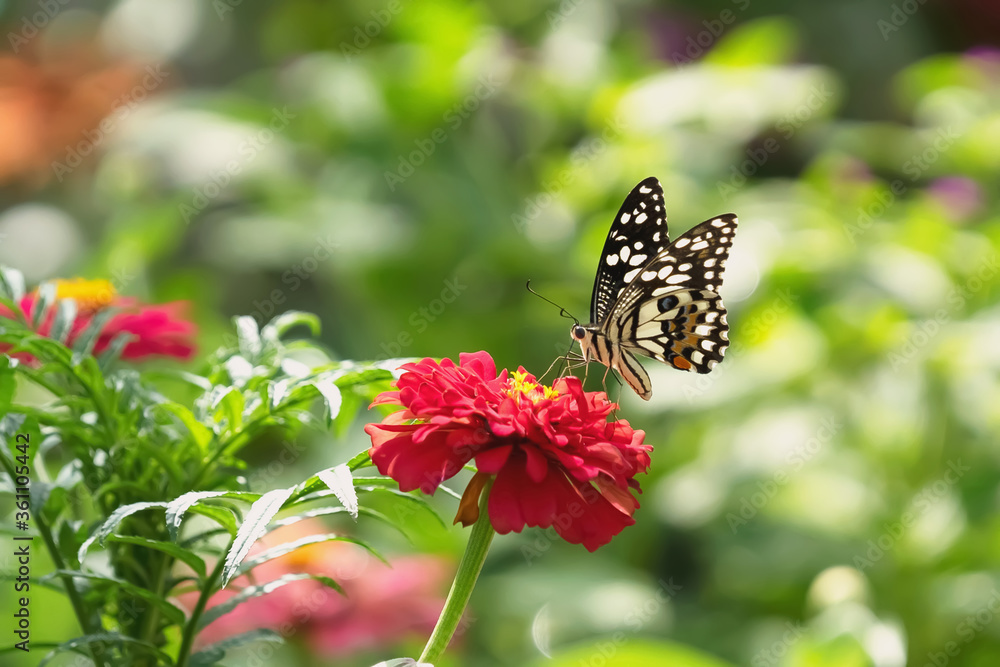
{"x":655,"y":298}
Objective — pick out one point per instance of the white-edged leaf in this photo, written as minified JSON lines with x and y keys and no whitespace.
{"x":111,"y":523}
{"x":63,"y":322}
{"x":341,"y":483}
{"x":255,"y":525}
{"x":12,"y":282}
{"x":46,"y":295}
{"x":331,"y":397}
{"x":177,"y":507}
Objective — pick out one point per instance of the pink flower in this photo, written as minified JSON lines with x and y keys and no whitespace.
{"x":158,"y":330}
{"x":382,"y":607}
{"x":554,"y":457}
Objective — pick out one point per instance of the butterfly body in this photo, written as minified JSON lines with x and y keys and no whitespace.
{"x":655,"y":298}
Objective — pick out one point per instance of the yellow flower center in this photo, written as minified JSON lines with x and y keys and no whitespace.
{"x":90,"y":295}
{"x":533,"y":391}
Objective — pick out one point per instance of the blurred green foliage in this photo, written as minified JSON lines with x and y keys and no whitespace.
{"x":828,"y":495}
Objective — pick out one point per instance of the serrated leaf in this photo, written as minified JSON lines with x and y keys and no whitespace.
{"x":230,"y":407}
{"x":63,"y":322}
{"x":263,"y":589}
{"x":177,"y":507}
{"x":339,"y":480}
{"x":255,"y":525}
{"x":174,"y":550}
{"x":105,"y":638}
{"x":112,"y":522}
{"x":360,"y":460}
{"x":213,"y":653}
{"x":221,"y":515}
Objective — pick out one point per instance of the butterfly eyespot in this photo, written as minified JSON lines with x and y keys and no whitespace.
{"x":578,"y":332}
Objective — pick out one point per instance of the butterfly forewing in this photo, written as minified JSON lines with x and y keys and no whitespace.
{"x":638,"y":233}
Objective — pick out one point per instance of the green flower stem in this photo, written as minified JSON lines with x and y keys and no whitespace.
{"x":465,"y":581}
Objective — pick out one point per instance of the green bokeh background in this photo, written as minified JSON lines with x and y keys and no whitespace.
{"x":828,"y":496}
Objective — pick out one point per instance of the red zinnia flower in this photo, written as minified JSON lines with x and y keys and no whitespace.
{"x":556,"y":459}
{"x":158,"y":330}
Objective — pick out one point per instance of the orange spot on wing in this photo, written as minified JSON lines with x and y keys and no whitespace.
{"x":681,"y":363}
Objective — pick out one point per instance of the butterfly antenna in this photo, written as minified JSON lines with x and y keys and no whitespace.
{"x":562,"y":311}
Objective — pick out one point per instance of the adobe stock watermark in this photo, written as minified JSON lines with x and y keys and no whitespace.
{"x":364,"y":34}
{"x":635,"y":620}
{"x":966,"y":630}
{"x":121,"y":108}
{"x":421,"y":319}
{"x":755,"y":330}
{"x":914,"y":167}
{"x":929,"y":496}
{"x":32,"y":24}
{"x":815,"y":100}
{"x":773,"y":654}
{"x":927,"y":331}
{"x":697,"y":45}
{"x":795,"y":460}
{"x":898,"y":17}
{"x":580,"y":156}
{"x":452,"y":119}
{"x":246,"y":152}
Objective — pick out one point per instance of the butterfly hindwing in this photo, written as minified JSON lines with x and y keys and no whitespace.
{"x":638,"y":233}
{"x":670,"y":309}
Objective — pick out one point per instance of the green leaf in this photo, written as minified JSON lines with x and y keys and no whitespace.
{"x":280,"y":325}
{"x":177,"y":507}
{"x":249,"y":337}
{"x":8,"y":381}
{"x":632,"y":651}
{"x":212,"y":654}
{"x":202,"y":434}
{"x":112,"y":522}
{"x":230,"y":407}
{"x":255,"y":525}
{"x":360,"y":460}
{"x":105,"y":638}
{"x":114,"y":350}
{"x":12,"y":283}
{"x":174,"y":550}
{"x":263,"y":589}
{"x":221,"y":515}
{"x":288,"y":547}
{"x":46,"y":295}
{"x":331,"y":397}
{"x":172,"y":612}
{"x":63,"y":323}
{"x":341,"y":483}
{"x":83,"y":346}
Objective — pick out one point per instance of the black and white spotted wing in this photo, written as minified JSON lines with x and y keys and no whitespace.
{"x":664,"y":305}
{"x":638,"y":233}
